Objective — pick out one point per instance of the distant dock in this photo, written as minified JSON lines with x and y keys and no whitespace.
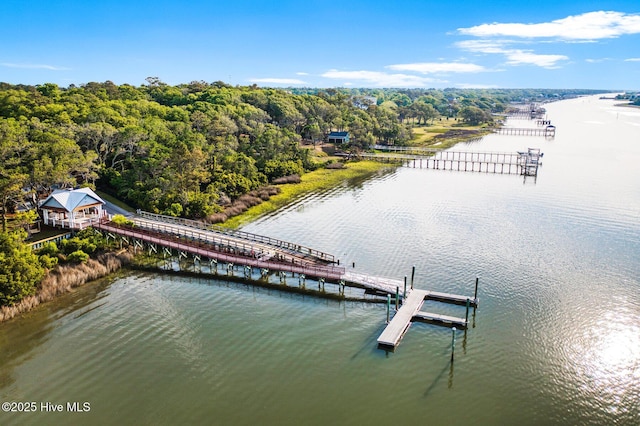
{"x":522,"y":163}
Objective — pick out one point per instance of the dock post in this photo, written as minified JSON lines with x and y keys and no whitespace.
{"x":404,"y":296}
{"x":413,"y":273}
{"x":388,"y":307}
{"x":397,"y":296}
{"x":475,"y":293}
{"x":466,"y":316}
{"x":453,"y":342}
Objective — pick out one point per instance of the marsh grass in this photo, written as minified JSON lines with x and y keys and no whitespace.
{"x":444,"y":133}
{"x":317,"y":180}
{"x":64,"y":278}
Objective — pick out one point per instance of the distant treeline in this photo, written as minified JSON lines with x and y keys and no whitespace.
{"x":190,"y":149}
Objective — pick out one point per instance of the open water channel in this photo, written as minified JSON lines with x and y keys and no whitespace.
{"x":555,"y":341}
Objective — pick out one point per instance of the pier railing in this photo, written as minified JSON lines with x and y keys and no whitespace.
{"x":230,"y":254}
{"x":247,"y":236}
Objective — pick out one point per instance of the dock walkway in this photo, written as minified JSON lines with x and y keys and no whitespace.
{"x":463,"y":161}
{"x":402,"y":319}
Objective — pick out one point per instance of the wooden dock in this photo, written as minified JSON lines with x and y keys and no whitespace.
{"x":463,"y":161}
{"x":548,"y":131}
{"x":170,"y":240}
{"x":401,"y":321}
{"x":410,"y":311}
{"x":443,"y":320}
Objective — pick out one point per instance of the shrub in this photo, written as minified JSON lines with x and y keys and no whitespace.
{"x":78,"y":256}
{"x":121,"y":220}
{"x":275,"y":169}
{"x":74,"y":244}
{"x":287,"y":179}
{"x":47,"y":261}
{"x":48,"y":249}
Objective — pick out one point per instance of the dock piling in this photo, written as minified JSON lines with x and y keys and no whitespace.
{"x":404,"y":295}
{"x":388,"y":307}
{"x":397,"y":296}
{"x":453,"y":342}
{"x":466,"y":315}
{"x":475,"y":293}
{"x":413,"y":273}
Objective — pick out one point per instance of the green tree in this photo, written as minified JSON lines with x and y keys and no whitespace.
{"x":13,"y":146}
{"x":20,"y":270}
{"x":474,"y":115}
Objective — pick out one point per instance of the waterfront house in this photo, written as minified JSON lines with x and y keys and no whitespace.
{"x":338,"y":137}
{"x":73,"y":209}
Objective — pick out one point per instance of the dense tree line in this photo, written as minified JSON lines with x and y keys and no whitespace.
{"x":189,"y":149}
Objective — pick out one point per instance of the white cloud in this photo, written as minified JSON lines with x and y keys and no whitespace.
{"x":302,"y":73}
{"x":588,"y":26}
{"x":483,"y":46}
{"x":597,"y":61}
{"x":438,"y":67}
{"x":632,"y":60}
{"x":513,"y":56}
{"x":277,"y":80}
{"x":379,"y":79}
{"x":35,"y":66}
{"x":524,"y":57}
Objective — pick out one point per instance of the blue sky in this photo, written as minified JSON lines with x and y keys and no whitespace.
{"x":581,"y":44}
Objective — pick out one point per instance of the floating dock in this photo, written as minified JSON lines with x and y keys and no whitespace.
{"x":410,"y":311}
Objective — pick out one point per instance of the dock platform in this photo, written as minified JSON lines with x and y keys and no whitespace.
{"x":410,"y":311}
{"x":438,"y":319}
{"x":401,"y":321}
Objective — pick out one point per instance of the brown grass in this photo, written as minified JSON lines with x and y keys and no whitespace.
{"x":287,"y":179}
{"x":244,"y":203}
{"x":66,"y":277}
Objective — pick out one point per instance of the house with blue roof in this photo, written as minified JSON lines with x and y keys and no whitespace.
{"x":73,"y":209}
{"x":338,"y":137}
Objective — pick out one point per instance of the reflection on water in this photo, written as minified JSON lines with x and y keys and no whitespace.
{"x":556,"y":339}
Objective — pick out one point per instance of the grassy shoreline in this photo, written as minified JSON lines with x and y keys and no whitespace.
{"x":318,"y":180}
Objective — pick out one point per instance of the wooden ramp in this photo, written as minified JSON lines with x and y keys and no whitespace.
{"x":401,"y":321}
{"x":371,"y":282}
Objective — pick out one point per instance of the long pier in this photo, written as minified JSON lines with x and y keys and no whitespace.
{"x":171,"y":224}
{"x":548,"y":131}
{"x":198,"y":245}
{"x":206,"y":246}
{"x":212,"y":247}
{"x":521,"y":163}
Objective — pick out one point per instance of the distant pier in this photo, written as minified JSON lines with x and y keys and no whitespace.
{"x":522,"y":163}
{"x":548,"y":131}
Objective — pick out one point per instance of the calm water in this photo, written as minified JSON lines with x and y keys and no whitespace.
{"x":556,"y":340}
